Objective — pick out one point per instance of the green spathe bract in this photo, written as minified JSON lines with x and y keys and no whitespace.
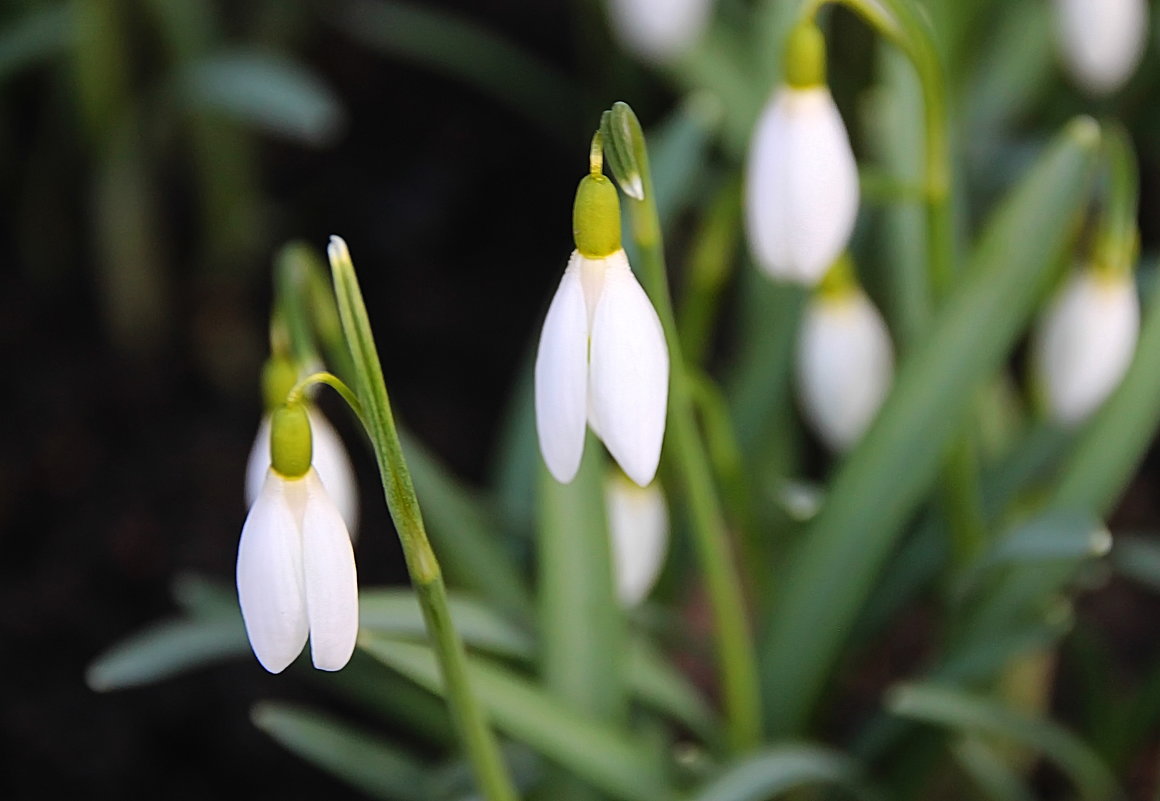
{"x":291,"y":445}
{"x":596,"y":217}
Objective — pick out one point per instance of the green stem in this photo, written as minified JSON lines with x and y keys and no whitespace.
{"x":904,"y":27}
{"x":422,"y":565}
{"x":735,"y":652}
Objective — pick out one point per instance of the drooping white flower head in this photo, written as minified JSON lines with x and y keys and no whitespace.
{"x":1101,"y":41}
{"x":659,"y":31}
{"x":1085,"y":342}
{"x":801,"y":188}
{"x":845,"y":362}
{"x":331,"y":462}
{"x":296,"y":573}
{"x":638,"y":523}
{"x":602,"y":359}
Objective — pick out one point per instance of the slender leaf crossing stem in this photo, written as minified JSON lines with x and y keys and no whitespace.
{"x":482,"y":750}
{"x":735,"y":652}
{"x":905,"y":28}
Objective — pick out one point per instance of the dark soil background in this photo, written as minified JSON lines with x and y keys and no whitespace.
{"x":121,"y":468}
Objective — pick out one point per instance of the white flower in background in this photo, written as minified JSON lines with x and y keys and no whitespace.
{"x":330,"y":462}
{"x":638,"y":523}
{"x":1101,"y":41}
{"x":659,"y":31}
{"x":1085,"y":342}
{"x":602,"y":360}
{"x":296,"y":572}
{"x":801,"y":189}
{"x":845,"y":361}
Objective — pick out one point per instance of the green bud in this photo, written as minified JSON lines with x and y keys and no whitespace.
{"x":291,"y":446}
{"x":805,"y":56}
{"x":596,"y":217}
{"x":279,"y":375}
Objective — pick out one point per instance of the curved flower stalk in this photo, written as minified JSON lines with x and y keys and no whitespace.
{"x":801,"y":192}
{"x":296,"y":573}
{"x":602,"y":360}
{"x":638,"y":523}
{"x":845,"y":361}
{"x":1101,"y":42}
{"x":659,"y":31}
{"x":1085,"y":342}
{"x":330,"y":458}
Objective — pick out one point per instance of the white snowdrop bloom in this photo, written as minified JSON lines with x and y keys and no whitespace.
{"x":1085,"y":342}
{"x":845,"y":364}
{"x":659,"y":31}
{"x":331,"y":462}
{"x":602,"y":358}
{"x":1101,"y":41}
{"x":296,"y":573}
{"x":638,"y":523}
{"x":801,"y":186}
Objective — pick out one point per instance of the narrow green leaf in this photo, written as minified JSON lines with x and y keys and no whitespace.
{"x":460,"y":49}
{"x":1138,"y":558}
{"x":678,"y":150}
{"x":990,"y":771}
{"x":396,"y":612}
{"x":887,"y":475}
{"x":776,"y":771}
{"x":465,"y":532}
{"x":970,"y":714}
{"x":661,"y":687}
{"x":266,"y":91}
{"x":582,"y":626}
{"x":361,"y":759}
{"x":167,"y":649}
{"x":608,"y":758}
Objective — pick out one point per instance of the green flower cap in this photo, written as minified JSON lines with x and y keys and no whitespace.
{"x":596,"y":217}
{"x":291,"y":445}
{"x":805,"y":56}
{"x":840,"y":280}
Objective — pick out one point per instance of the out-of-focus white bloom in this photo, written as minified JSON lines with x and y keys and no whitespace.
{"x":1085,"y":342}
{"x":602,"y":360}
{"x":801,"y":190}
{"x":330,"y":462}
{"x":638,"y":522}
{"x":845,"y":365}
{"x":659,"y":31}
{"x":1101,"y":41}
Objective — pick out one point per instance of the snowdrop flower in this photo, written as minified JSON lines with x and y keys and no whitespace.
{"x":296,"y":573}
{"x":1085,"y":342}
{"x":330,"y":458}
{"x":659,"y":31}
{"x":845,"y":361}
{"x":602,"y":358}
{"x":638,"y":523}
{"x":801,"y":190}
{"x":1101,"y":41}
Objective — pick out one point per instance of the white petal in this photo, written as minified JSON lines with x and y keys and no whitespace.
{"x":269,"y":575}
{"x":659,"y":31}
{"x":330,"y":579}
{"x":638,"y":523}
{"x":258,"y":462}
{"x":801,"y":186}
{"x":1101,"y":41}
{"x":333,"y":466}
{"x":1085,"y":343}
{"x":845,"y":364}
{"x":629,"y":373}
{"x":562,"y":378}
